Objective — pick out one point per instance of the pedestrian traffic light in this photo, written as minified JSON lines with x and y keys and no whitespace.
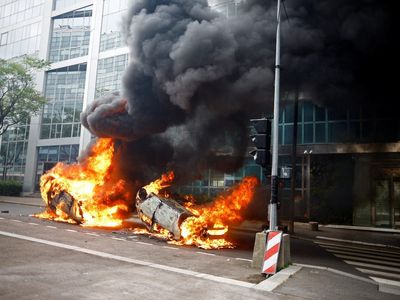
{"x":261,"y":137}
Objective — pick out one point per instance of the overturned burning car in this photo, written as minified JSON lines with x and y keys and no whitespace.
{"x":157,"y":211}
{"x":62,"y":203}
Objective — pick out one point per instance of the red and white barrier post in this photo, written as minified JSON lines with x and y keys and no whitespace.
{"x":272,"y":252}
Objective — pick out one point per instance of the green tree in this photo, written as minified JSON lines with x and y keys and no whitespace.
{"x":19,"y":98}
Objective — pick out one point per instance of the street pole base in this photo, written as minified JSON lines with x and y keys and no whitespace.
{"x":284,"y":258}
{"x":259,"y":250}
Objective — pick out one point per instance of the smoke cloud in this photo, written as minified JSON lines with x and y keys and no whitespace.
{"x":195,"y":76}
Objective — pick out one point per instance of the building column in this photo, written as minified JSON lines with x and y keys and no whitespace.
{"x":34,"y":128}
{"x":91,"y":73}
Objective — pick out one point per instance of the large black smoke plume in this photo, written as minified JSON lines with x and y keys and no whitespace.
{"x":195,"y":76}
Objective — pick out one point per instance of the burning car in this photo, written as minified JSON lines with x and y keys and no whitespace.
{"x":155,"y":210}
{"x":61,"y":203}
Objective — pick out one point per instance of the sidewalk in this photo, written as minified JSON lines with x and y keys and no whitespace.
{"x":351,"y":234}
{"x":369,"y":235}
{"x":313,"y":283}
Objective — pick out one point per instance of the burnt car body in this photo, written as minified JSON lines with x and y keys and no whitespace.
{"x":155,"y":210}
{"x":63,"y":201}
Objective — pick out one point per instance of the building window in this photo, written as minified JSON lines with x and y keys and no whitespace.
{"x":59,"y":4}
{"x":111,"y":35}
{"x":337,"y":132}
{"x":109,"y":74}
{"x":3,"y":39}
{"x":71,"y":35}
{"x":13,"y":148}
{"x":21,"y":41}
{"x":61,"y":115}
{"x":48,"y":156}
{"x":15,"y":11}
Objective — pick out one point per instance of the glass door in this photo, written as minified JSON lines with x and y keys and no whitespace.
{"x":382,"y":216}
{"x":396,"y":203}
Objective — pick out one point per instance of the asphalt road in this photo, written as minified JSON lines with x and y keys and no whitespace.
{"x":43,"y":259}
{"x":46,"y":259}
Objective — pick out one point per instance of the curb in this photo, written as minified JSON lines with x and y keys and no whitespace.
{"x":362,"y":228}
{"x":388,"y":286}
{"x":337,"y":272}
{"x":277,"y":279}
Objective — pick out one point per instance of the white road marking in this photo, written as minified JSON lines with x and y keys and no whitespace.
{"x":143,"y":243}
{"x":356,"y":242}
{"x":1,"y":218}
{"x":34,"y":224}
{"x":373,"y":266}
{"x":371,"y":261}
{"x":385,"y":281}
{"x":70,"y":230}
{"x":205,"y":253}
{"x":358,"y":248}
{"x":130,"y":260}
{"x":18,"y":221}
{"x":379,"y":273}
{"x":173,"y":248}
{"x":368,"y":260}
{"x":118,"y":239}
{"x":93,"y":234}
{"x":336,"y":271}
{"x":52,"y":227}
{"x":361,"y":254}
{"x":244,"y":259}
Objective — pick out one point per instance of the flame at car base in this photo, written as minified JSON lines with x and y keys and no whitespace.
{"x":85,"y":193}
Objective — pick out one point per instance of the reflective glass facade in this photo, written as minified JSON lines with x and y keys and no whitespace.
{"x":60,"y":4}
{"x":15,"y":11}
{"x":213,"y":183}
{"x":322,"y":125}
{"x":20,"y":33}
{"x":48,"y":156}
{"x":109,"y":74}
{"x":64,"y":89}
{"x":18,"y":39}
{"x":71,"y":35}
{"x":13,"y":149}
{"x":111,"y":36}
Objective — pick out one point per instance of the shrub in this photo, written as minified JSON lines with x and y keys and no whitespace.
{"x":10,"y":188}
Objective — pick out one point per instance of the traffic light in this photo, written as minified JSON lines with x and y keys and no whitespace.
{"x":261,"y":136}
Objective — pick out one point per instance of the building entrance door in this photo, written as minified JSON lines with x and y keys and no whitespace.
{"x":396,"y":203}
{"x":386,"y":204}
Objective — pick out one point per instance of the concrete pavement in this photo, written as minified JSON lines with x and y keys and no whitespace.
{"x":312,"y":283}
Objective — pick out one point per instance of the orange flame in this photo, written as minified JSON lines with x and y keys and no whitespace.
{"x":210,"y":222}
{"x":160,"y":184}
{"x":216,"y":218}
{"x":97,"y":199}
{"x":100,"y":201}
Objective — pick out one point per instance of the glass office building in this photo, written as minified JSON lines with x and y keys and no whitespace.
{"x":347,"y":159}
{"x":83,"y":42}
